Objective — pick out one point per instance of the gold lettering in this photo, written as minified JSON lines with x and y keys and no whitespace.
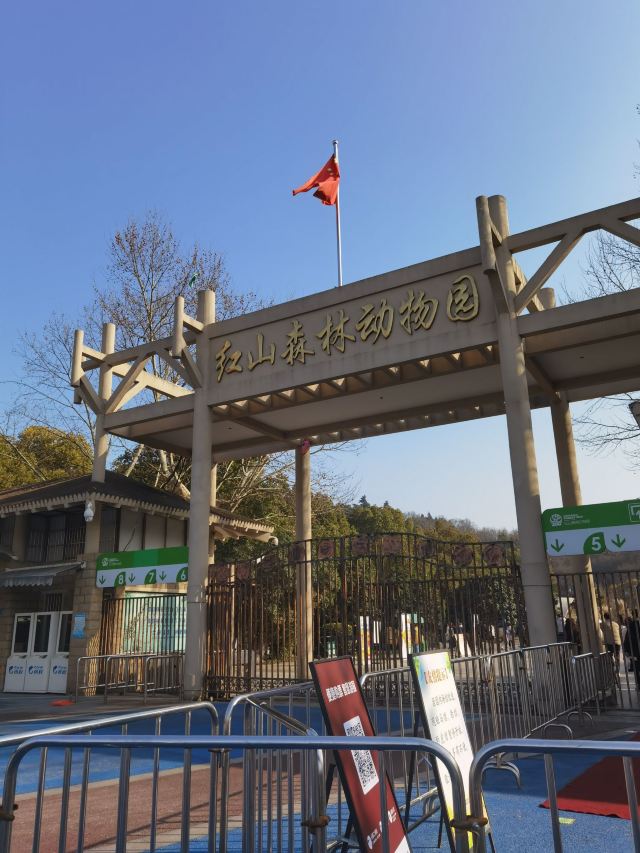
{"x":334,"y":335}
{"x":417,"y":312}
{"x":374,"y":322}
{"x":463,"y":302}
{"x":262,"y":356}
{"x":295,"y":348}
{"x":227,"y":363}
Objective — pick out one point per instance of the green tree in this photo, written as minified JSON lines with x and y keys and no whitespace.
{"x":39,"y":454}
{"x":368,"y":518}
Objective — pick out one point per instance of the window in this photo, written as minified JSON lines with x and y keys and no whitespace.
{"x":109,"y":527}
{"x":6,"y":531}
{"x":55,"y":536}
{"x":37,"y":538}
{"x":64,"y":637}
{"x":41,"y":640}
{"x":52,"y":601}
{"x":74,"y":534}
{"x":21,"y":635}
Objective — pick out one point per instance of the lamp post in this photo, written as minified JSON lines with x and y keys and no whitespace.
{"x":634,"y":408}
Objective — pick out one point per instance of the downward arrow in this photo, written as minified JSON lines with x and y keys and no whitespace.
{"x":618,"y":541}
{"x":163,"y":575}
{"x":132,"y":577}
{"x":102,"y":579}
{"x":557,"y":547}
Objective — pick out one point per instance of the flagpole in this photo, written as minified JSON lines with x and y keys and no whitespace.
{"x":338,"y":234}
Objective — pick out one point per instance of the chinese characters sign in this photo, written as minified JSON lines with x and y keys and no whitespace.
{"x":356,"y":327}
{"x":345,"y":713}
{"x":442,"y":716}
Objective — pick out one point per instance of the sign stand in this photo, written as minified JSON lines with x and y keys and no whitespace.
{"x":443,"y":722}
{"x":345,"y":713}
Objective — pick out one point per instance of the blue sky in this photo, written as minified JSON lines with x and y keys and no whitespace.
{"x":211,"y":113}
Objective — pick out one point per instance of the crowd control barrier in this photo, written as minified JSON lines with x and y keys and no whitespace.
{"x":548,"y":748}
{"x":265,"y":824}
{"x":157,"y":719}
{"x":510,"y":694}
{"x":145,"y":674}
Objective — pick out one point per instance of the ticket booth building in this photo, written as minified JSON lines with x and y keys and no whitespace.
{"x":50,"y":536}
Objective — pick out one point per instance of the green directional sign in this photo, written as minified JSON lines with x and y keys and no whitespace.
{"x":592,"y":528}
{"x":142,"y":568}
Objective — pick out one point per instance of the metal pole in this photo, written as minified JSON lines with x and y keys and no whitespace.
{"x":338,"y":233}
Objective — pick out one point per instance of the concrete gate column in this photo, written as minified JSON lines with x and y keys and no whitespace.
{"x":304,"y":590}
{"x":202,"y":485}
{"x":585,"y":594}
{"x":535,"y":573}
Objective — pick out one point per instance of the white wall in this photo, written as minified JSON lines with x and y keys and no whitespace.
{"x":130,"y":530}
{"x":154,"y":532}
{"x":175,"y":532}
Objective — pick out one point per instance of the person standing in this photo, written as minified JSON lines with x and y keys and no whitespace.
{"x":571,"y":632}
{"x":612,"y":641}
{"x":632,"y":645}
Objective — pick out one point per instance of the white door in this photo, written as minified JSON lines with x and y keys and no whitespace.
{"x":42,"y":648}
{"x":23,"y":625}
{"x":60,"y":662}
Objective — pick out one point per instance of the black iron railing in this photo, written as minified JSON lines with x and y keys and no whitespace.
{"x":375,"y":598}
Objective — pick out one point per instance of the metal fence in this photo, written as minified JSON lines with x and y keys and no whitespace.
{"x":510,"y":694}
{"x":266,"y":823}
{"x":295,"y":706}
{"x":582,"y":603}
{"x":375,"y":598}
{"x":53,"y":807}
{"x":142,"y":674}
{"x":143,"y":623}
{"x":549,"y":748}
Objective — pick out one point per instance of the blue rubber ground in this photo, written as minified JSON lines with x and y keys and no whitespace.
{"x":518,"y":822}
{"x":105,"y":764}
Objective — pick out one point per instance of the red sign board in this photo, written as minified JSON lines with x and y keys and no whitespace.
{"x":345,"y":713}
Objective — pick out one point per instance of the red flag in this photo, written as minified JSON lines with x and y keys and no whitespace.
{"x":327,"y":181}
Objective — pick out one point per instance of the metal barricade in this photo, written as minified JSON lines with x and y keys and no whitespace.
{"x":145,"y":674}
{"x":390,"y":699}
{"x":259,"y":755}
{"x":548,"y":675}
{"x":585,"y":684}
{"x":548,"y":748}
{"x":297,"y":708}
{"x":123,"y":722}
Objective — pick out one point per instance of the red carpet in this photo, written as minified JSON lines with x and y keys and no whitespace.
{"x":600,"y":789}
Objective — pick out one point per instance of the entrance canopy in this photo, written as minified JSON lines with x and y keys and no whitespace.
{"x":412,"y":348}
{"x":37,"y":575}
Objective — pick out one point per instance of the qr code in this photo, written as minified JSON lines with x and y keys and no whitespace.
{"x":365,"y":768}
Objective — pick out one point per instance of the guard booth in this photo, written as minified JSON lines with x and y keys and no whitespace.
{"x":59,"y":605}
{"x":39,"y":659}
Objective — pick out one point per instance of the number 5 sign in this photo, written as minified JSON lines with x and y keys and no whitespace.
{"x":592,"y":528}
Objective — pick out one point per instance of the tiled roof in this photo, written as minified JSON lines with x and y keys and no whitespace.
{"x":116,"y":489}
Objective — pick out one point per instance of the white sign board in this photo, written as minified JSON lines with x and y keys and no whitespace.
{"x":443,"y":718}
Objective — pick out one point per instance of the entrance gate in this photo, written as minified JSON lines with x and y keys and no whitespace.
{"x":375,"y":598}
{"x":143,"y":623}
